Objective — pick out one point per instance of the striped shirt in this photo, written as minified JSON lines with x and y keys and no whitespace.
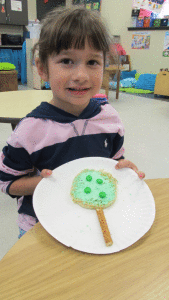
{"x":49,"y":137}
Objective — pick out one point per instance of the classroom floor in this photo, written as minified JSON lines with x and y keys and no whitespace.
{"x":146,"y":122}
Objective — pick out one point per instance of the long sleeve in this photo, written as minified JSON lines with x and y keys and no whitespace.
{"x":15,"y":162}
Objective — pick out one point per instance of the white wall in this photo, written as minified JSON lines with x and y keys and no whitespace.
{"x":32,"y":13}
{"x":118,"y":15}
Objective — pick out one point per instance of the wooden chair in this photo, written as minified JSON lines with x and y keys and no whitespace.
{"x":115,"y":67}
{"x":125,"y":60}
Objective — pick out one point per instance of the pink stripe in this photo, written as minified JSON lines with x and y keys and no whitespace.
{"x":10,"y":171}
{"x":119,"y":153}
{"x":26,"y":222}
{"x":107,"y":121}
{"x":36,"y":134}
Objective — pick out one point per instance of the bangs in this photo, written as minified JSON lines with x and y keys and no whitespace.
{"x":75,"y":29}
{"x":70,"y":28}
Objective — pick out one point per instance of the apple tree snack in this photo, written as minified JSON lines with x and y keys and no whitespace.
{"x":95,"y":190}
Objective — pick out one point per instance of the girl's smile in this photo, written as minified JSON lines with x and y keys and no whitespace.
{"x":78,"y":91}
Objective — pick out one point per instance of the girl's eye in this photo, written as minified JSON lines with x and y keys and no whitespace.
{"x":66,"y":61}
{"x":93,"y":62}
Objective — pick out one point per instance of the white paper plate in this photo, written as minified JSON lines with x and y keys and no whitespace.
{"x":129,"y":218}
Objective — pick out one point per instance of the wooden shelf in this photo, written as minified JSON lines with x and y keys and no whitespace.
{"x":148,"y":28}
{"x":10,"y":46}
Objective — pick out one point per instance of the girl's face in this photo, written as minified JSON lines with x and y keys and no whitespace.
{"x":75,"y":76}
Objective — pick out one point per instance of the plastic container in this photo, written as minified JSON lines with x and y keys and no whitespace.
{"x":164,"y":22}
{"x":157,"y":23}
{"x":151,"y":22}
{"x":133,"y":21}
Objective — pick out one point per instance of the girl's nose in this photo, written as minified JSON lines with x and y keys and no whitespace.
{"x":80,"y":73}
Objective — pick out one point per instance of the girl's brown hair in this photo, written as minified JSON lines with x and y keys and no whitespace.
{"x":67,"y":28}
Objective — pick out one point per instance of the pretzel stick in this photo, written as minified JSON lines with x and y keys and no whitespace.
{"x":104,"y":227}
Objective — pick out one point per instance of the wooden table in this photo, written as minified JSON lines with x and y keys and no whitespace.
{"x":39,"y":267}
{"x":16,"y":105}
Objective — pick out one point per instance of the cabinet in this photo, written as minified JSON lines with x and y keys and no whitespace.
{"x":14,"y":12}
{"x":162,"y":84}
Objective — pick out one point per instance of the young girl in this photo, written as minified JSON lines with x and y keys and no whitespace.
{"x":72,"y":51}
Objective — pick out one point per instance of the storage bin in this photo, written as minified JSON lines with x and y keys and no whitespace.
{"x":12,"y":56}
{"x":164,"y":22}
{"x":133,"y":21}
{"x":8,"y":81}
{"x":9,"y":39}
{"x":146,"y":22}
{"x":139,"y":23}
{"x":157,"y":23}
{"x":151,"y":22}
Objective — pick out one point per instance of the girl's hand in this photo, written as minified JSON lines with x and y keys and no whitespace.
{"x":124,"y":163}
{"x":45,"y":173}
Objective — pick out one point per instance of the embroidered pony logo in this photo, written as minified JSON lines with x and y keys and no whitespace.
{"x":105,"y":143}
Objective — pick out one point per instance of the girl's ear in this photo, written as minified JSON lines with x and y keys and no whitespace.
{"x":42,"y":70}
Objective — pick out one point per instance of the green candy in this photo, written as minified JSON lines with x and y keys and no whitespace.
{"x":89,"y":178}
{"x":99,"y":181}
{"x":87,"y":190}
{"x":102,"y":195}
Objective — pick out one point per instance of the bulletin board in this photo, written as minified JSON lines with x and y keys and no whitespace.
{"x":89,"y":4}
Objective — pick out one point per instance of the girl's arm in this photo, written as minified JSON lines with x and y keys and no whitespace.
{"x":26,"y":185}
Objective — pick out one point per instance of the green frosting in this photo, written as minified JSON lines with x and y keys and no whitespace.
{"x":94,"y":188}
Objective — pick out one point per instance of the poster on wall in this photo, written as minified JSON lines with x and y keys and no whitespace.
{"x":150,"y":5}
{"x":16,"y":5}
{"x":89,"y":4}
{"x":166,"y":45}
{"x":140,"y":41}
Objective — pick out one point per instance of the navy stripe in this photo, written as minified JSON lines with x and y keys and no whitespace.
{"x":8,"y":177}
{"x":47,"y":111}
{"x":53,"y":156}
{"x":16,"y":158}
{"x":117,"y":144}
{"x":27,"y":207}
